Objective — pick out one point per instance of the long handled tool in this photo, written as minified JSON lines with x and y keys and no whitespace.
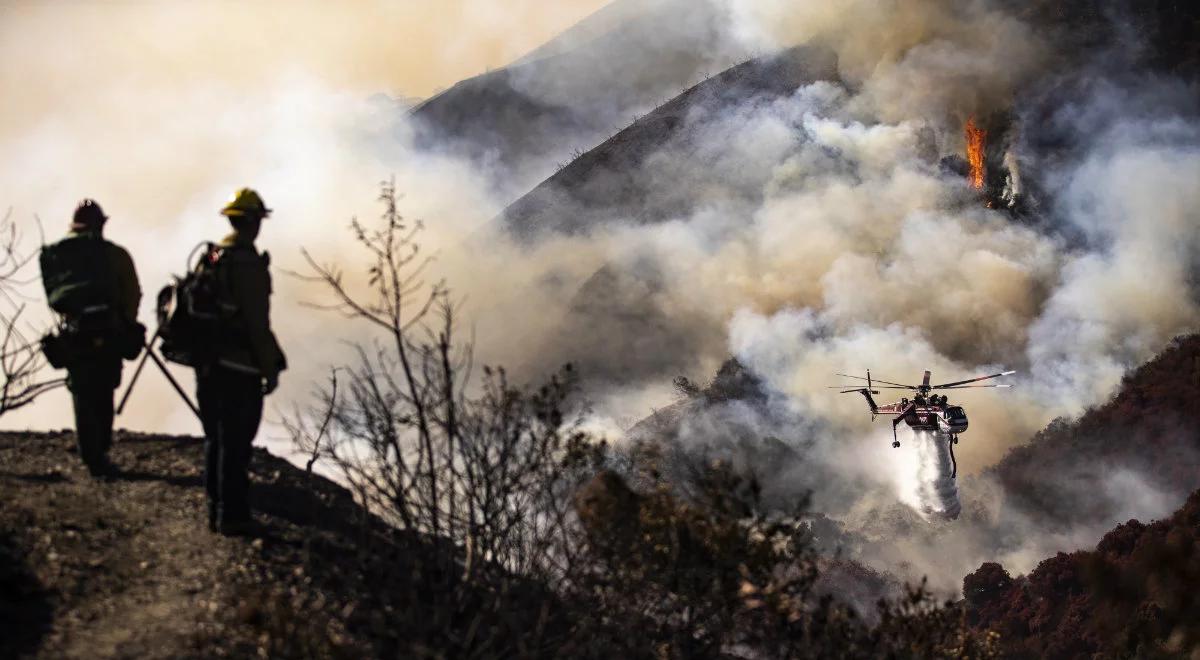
{"x":174,"y":383}
{"x":150,"y":354}
{"x":137,"y":372}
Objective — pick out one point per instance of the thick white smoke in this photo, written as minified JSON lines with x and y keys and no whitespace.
{"x":836,"y":243}
{"x":857,"y":251}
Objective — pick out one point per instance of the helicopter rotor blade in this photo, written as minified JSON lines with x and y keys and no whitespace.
{"x":969,"y":380}
{"x":876,"y":380}
{"x":963,"y":387}
{"x":876,"y":387}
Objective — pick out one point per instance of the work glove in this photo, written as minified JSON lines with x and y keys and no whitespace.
{"x":270,"y":383}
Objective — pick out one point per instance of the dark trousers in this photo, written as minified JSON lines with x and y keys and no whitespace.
{"x":92,"y":386}
{"x":231,"y":406}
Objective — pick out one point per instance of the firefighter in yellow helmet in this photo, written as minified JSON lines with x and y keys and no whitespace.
{"x":244,"y":367}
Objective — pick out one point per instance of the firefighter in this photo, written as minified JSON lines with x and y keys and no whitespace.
{"x":93,"y":284}
{"x":243,"y":368}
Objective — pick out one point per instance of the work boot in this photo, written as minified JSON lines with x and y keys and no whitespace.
{"x":239,"y":528}
{"x":103,"y":470}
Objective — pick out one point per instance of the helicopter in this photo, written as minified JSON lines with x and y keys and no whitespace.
{"x":925,"y":411}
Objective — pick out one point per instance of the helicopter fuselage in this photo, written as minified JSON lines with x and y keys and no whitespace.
{"x":951,"y":420}
{"x":927,"y":410}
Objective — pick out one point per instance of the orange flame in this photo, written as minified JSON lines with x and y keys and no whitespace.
{"x":976,"y":140}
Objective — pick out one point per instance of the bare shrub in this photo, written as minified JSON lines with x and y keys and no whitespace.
{"x":21,"y":361}
{"x":485,"y":472}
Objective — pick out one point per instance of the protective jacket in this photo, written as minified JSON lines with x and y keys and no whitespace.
{"x":128,"y":292}
{"x":94,"y":374}
{"x":245,"y":282}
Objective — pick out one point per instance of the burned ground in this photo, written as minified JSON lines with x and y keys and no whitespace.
{"x":126,"y":568}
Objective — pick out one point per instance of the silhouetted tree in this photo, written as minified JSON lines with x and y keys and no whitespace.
{"x":21,"y":362}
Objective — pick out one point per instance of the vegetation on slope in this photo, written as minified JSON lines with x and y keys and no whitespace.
{"x":1133,"y":596}
{"x":1151,"y":427}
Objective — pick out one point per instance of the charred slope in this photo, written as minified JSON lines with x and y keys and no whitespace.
{"x":580,"y":86}
{"x":1151,"y":428}
{"x":621,"y":179}
{"x":128,"y":569}
{"x":1133,"y":596}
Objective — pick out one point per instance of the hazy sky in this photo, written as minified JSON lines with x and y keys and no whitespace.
{"x":160,"y":109}
{"x":406,"y":47}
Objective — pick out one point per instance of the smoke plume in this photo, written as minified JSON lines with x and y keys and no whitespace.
{"x":839,"y":241}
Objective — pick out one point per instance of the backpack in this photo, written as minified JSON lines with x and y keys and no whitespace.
{"x":193,"y":312}
{"x":77,"y":276}
{"x":81,"y":286}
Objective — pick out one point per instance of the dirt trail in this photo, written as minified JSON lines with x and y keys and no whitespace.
{"x":124,"y":584}
{"x":127,"y":568}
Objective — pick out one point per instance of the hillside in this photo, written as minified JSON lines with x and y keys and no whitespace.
{"x":1136,"y":455}
{"x":1133,"y":596}
{"x":1151,"y":428}
{"x":724,"y":421}
{"x":675,"y":160}
{"x":578,"y":88}
{"x":650,"y":170}
{"x":126,"y":569}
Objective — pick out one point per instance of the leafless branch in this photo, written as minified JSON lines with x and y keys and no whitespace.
{"x":21,"y":362}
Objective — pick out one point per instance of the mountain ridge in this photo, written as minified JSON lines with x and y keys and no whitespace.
{"x":607,"y":182}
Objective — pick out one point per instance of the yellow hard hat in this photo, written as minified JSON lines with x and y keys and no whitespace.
{"x":246,"y":202}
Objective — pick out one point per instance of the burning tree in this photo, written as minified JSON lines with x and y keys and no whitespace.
{"x":976,"y":153}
